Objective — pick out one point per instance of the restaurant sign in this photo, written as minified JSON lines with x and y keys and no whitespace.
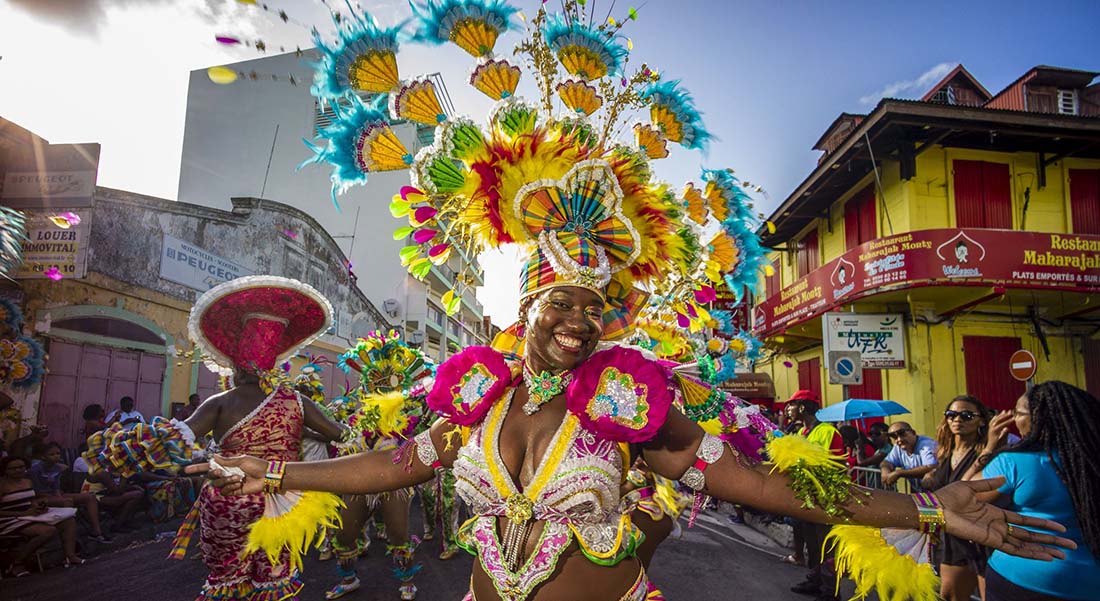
{"x":957,"y":257}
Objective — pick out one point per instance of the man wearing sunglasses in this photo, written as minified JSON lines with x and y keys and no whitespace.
{"x":912,"y":457}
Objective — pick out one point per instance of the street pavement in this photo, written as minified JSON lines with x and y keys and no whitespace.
{"x":714,"y":560}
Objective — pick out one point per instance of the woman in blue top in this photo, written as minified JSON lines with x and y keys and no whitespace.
{"x":1053,"y":473}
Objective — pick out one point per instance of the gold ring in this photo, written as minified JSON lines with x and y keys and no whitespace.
{"x":1010,"y":529}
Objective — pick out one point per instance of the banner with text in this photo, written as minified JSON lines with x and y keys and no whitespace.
{"x":967,"y":257}
{"x":53,"y":252}
{"x":184,"y":263}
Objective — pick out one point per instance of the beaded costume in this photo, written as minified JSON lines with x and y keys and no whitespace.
{"x":588,"y":212}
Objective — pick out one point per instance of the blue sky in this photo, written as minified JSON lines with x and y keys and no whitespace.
{"x":769,"y":76}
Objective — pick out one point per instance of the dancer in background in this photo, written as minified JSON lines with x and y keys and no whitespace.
{"x":394,"y":378}
{"x":246,"y":327}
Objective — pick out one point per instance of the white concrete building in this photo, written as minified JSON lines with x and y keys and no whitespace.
{"x":245,"y":140}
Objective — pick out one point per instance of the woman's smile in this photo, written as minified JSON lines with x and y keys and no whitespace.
{"x":569,"y":344}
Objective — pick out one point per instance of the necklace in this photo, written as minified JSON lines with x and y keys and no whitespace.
{"x":542,"y":387}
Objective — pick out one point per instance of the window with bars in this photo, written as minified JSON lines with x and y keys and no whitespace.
{"x":1067,"y":102}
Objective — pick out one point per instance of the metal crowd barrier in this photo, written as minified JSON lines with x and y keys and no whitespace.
{"x":871,"y":477}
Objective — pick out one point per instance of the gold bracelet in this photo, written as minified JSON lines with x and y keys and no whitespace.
{"x":930,"y":513}
{"x":273,"y":479}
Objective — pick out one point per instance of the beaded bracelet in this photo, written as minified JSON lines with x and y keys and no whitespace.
{"x":710,"y":450}
{"x":931,"y":513}
{"x":273,"y":479}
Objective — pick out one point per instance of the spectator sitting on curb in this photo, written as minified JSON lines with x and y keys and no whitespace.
{"x":913,"y":456}
{"x":45,"y":474}
{"x":126,"y":414}
{"x":26,"y":515}
{"x":94,"y":419}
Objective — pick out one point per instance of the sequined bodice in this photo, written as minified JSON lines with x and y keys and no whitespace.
{"x":577,"y":480}
{"x":273,"y":430}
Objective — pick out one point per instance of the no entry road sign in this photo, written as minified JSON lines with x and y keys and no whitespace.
{"x":1022,"y":365}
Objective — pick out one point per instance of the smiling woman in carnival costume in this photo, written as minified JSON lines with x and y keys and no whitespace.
{"x":540,"y":431}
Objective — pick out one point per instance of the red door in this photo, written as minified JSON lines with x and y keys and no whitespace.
{"x":870,"y":389}
{"x":80,"y":375}
{"x":1084,"y":200}
{"x":987,"y":377}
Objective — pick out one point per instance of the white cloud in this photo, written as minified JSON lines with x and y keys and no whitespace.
{"x":911,"y":87}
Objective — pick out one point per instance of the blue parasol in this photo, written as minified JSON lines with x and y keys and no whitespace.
{"x":859,"y":409}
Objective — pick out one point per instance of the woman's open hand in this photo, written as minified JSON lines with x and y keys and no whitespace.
{"x":230,"y":481}
{"x":970,"y":519}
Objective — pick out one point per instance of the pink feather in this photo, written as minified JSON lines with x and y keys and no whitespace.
{"x":480,"y":370}
{"x":607,"y":416}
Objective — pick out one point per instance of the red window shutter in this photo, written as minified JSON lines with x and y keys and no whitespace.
{"x":986,"y":359}
{"x":998,"y":195}
{"x":968,"y":194}
{"x":807,"y":254}
{"x":868,"y":226}
{"x":771,"y":284}
{"x":851,"y":223}
{"x":859,"y":218}
{"x":1084,"y":200}
{"x":809,"y":375}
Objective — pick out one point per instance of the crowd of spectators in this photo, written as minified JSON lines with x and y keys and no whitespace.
{"x":1050,"y":470}
{"x":48,"y":496}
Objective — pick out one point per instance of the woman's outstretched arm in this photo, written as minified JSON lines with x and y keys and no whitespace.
{"x":674,"y":451}
{"x":362,"y":473}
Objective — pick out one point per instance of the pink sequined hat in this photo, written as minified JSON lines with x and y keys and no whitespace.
{"x":256,"y":322}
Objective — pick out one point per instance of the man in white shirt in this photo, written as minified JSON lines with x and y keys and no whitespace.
{"x":125,"y":414}
{"x":912,"y":457}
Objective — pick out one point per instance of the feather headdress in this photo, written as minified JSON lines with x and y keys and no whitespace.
{"x":586,"y":207}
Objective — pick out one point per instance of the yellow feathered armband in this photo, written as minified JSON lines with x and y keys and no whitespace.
{"x":868,"y":556}
{"x":293,"y":521}
{"x":865,"y":556}
{"x":817,"y":476}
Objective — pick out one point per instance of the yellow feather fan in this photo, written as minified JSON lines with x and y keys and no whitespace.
{"x":294,"y":521}
{"x":875,"y":565}
{"x":496,"y":78}
{"x":694,"y":203}
{"x":650,"y":141}
{"x":579,"y":96}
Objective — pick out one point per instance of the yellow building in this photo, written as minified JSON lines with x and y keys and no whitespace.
{"x":969,"y":224}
